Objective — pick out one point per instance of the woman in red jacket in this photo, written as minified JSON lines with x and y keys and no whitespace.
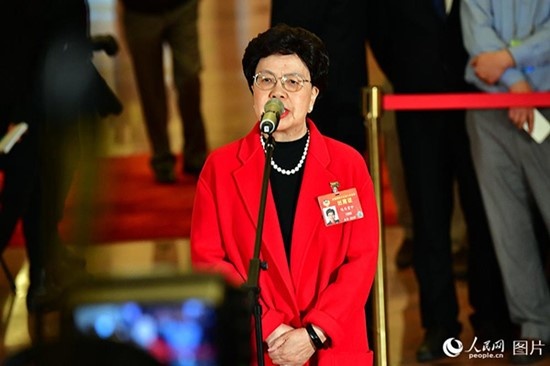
{"x":319,"y":276}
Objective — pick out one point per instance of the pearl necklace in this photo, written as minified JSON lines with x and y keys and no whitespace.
{"x":297,"y":167}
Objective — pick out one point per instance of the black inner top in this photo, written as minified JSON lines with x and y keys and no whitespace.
{"x":286,"y":188}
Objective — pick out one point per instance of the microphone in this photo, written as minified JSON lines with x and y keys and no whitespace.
{"x":272,"y":113}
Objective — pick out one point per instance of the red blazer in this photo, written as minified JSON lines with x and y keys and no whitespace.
{"x":331,"y":267}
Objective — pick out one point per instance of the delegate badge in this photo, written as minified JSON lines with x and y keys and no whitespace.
{"x":340,"y":206}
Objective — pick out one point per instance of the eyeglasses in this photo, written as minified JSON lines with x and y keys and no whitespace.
{"x":266,"y":80}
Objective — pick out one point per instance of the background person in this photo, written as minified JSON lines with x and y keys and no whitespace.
{"x":419,"y":47}
{"x":319,"y":276}
{"x":341,"y":27}
{"x":509,"y":52}
{"x":149,"y":26}
{"x":55,"y":88}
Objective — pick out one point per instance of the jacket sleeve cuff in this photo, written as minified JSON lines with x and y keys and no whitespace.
{"x":329,"y":325}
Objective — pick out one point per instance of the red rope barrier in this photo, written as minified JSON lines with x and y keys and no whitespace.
{"x":464,"y":101}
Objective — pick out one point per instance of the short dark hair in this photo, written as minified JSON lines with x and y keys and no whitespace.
{"x":286,"y":40}
{"x":330,"y":210}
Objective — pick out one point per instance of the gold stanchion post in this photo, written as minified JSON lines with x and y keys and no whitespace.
{"x":372,"y":112}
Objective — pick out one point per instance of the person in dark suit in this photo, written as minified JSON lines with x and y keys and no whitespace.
{"x":340,"y":25}
{"x":418,"y":45}
{"x":54,"y":88}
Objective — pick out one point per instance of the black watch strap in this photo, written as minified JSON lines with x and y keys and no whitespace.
{"x":317,"y":343}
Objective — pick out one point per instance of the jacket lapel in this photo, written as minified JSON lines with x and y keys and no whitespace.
{"x":307,"y":210}
{"x":249,"y":180}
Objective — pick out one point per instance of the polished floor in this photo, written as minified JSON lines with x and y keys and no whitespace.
{"x":225,"y":28}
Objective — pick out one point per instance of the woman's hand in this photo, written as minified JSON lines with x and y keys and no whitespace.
{"x":279,"y":331}
{"x":292,"y":348}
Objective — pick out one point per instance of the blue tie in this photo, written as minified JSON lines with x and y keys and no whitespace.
{"x":439,"y":6}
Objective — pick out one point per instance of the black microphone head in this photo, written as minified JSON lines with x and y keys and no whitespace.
{"x":272,"y":114}
{"x":274,"y":105}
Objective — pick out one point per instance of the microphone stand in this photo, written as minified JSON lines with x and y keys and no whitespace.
{"x":256,"y":264}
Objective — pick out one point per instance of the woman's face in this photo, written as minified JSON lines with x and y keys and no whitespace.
{"x":292,"y":125}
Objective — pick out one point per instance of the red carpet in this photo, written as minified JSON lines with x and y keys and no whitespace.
{"x":129,"y":205}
